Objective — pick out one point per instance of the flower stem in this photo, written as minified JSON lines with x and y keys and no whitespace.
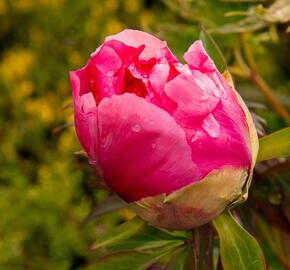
{"x":267,"y":92}
{"x":261,"y":84}
{"x":202,"y":246}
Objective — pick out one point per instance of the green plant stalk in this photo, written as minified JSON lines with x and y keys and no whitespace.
{"x":261,"y":84}
{"x":268,"y":93}
{"x":202,"y":247}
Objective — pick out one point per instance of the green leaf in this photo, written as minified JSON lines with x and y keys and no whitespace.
{"x":278,"y":239}
{"x":181,"y":259}
{"x":213,"y":50}
{"x":124,"y":260}
{"x":131,"y":259}
{"x":275,"y":145}
{"x":239,"y":250}
{"x":120,"y":233}
{"x":149,"y":238}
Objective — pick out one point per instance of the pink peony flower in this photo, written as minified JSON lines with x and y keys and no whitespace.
{"x":174,"y":140}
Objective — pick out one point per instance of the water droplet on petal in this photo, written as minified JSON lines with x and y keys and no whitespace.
{"x":110,"y":73}
{"x":224,"y":93}
{"x":199,"y":145}
{"x":197,"y":135}
{"x":229,"y":141}
{"x":136,"y":128}
{"x":153,"y":145}
{"x":216,"y":92}
{"x":134,"y":71}
{"x":125,"y":117}
{"x":108,"y":140}
{"x":132,"y":67}
{"x":211,"y":126}
{"x":194,"y":138}
{"x":220,"y":86}
{"x":93,"y":162}
{"x":200,"y":83}
{"x":182,"y":68}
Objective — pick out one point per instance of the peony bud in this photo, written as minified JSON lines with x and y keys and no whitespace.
{"x":174,"y":140}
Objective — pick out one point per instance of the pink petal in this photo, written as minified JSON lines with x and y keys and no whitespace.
{"x":154,"y":48}
{"x":158,"y":78}
{"x":79,"y":81}
{"x":194,"y":96}
{"x":143,"y":152}
{"x":197,"y":58}
{"x":104,"y":82}
{"x":222,"y":138}
{"x":85,"y":113}
{"x":219,"y":142}
{"x":127,"y":53}
{"x":108,"y":61}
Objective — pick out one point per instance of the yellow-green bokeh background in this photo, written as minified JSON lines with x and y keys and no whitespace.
{"x":45,"y":190}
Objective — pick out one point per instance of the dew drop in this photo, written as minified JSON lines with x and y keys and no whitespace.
{"x":132,"y":67}
{"x":200,"y":83}
{"x":108,"y":140}
{"x":224,"y":93}
{"x":134,"y":71}
{"x":196,"y":136}
{"x":229,"y":141}
{"x":93,"y":162}
{"x":211,"y":126}
{"x":136,"y":128}
{"x":187,"y":69}
{"x":182,"y":68}
{"x":220,"y":87}
{"x":110,"y":73}
{"x":153,"y":145}
{"x":125,"y":117}
{"x":199,"y":145}
{"x":216,"y":92}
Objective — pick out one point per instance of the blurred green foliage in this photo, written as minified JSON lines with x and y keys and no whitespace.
{"x":45,"y":190}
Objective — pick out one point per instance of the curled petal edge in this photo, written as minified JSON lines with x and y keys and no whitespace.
{"x":253,"y":139}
